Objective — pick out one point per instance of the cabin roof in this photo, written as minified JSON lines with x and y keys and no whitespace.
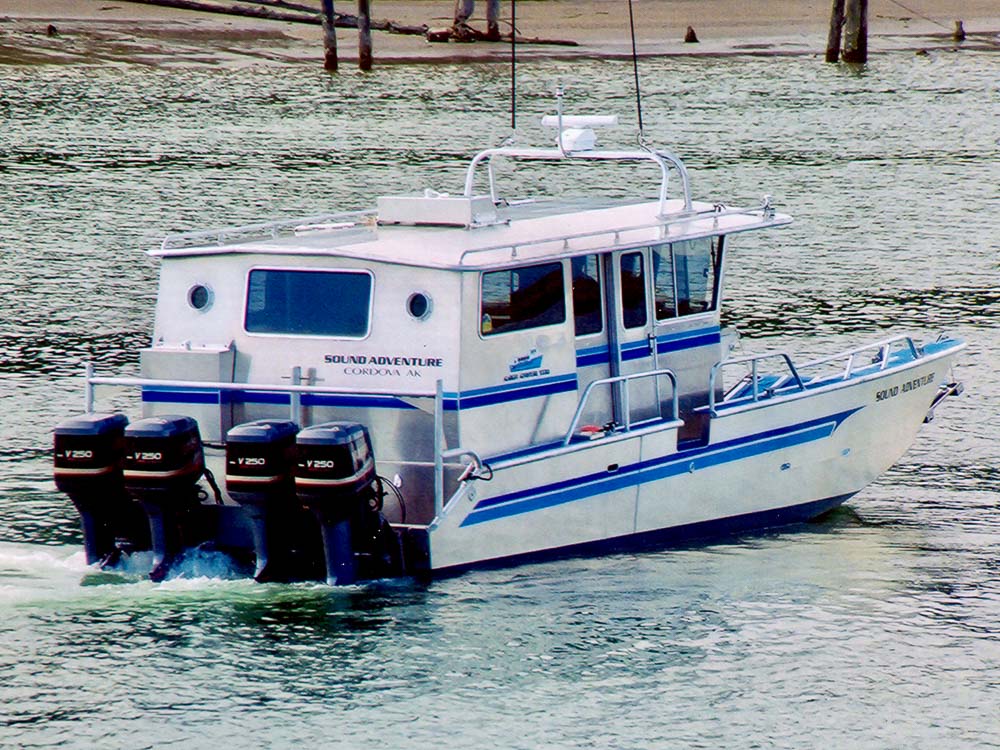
{"x":526,"y":232}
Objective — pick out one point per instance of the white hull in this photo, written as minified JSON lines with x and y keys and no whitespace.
{"x":767,"y":463}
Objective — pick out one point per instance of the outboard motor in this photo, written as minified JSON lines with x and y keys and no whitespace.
{"x":163,"y":462}
{"x":335,"y":479}
{"x":260,"y":463}
{"x":87,"y":457}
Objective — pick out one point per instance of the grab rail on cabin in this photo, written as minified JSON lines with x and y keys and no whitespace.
{"x":794,"y":380}
{"x":625,"y":379}
{"x":765,"y":211}
{"x":270,"y":229}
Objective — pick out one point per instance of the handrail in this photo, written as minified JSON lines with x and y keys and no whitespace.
{"x":752,"y":360}
{"x":883,"y":346}
{"x":232,"y":386}
{"x":764,"y":210}
{"x":622,"y":379}
{"x":293,"y":388}
{"x":885,"y":349}
{"x":476,"y":468}
{"x":263,"y":229}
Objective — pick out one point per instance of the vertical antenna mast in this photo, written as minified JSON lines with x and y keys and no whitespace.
{"x":513,"y":64}
{"x":635,"y":67}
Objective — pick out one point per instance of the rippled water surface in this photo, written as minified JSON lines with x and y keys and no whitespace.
{"x":877,"y":626}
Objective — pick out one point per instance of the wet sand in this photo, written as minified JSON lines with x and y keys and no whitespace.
{"x":116,"y":32}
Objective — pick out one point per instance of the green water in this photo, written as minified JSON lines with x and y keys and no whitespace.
{"x":875,"y":627}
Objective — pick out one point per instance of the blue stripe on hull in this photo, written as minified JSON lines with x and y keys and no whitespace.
{"x":598,"y":483}
{"x":530,"y":388}
{"x":675,"y":536}
{"x":472,"y":399}
{"x":671,"y":342}
{"x":215,"y":397}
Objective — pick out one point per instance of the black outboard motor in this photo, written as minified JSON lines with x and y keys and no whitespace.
{"x":87,"y":457}
{"x":335,"y":479}
{"x":260,"y":463}
{"x":163,"y":462}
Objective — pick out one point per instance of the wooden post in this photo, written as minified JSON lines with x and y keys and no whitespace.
{"x":364,"y":35}
{"x":329,"y":37}
{"x":856,"y":32}
{"x":493,"y":20}
{"x":836,"y":25}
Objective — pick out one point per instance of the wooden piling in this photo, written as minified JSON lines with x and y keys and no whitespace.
{"x":855,"y":32}
{"x":329,"y":37}
{"x":364,"y":35}
{"x":836,"y":26}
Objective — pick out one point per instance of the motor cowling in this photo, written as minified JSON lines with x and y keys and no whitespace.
{"x":163,"y":455}
{"x":335,"y":479}
{"x":88,"y":453}
{"x":163,"y":462}
{"x":334,"y":466}
{"x":260,"y":468}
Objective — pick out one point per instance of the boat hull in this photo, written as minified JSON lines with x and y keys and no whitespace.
{"x":778,"y":460}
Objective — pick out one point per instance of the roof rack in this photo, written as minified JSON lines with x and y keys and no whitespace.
{"x":576,"y":140}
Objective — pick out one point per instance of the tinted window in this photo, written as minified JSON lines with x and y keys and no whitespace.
{"x":663,"y":283}
{"x":685,"y":275}
{"x":308,"y":303}
{"x":633,"y":290}
{"x":586,"y":296}
{"x":695,"y":262}
{"x":522,"y":298}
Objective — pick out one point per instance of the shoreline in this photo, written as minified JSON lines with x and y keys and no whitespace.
{"x":106,"y":32}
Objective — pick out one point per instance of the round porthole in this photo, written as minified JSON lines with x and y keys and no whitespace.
{"x":200,"y":297}
{"x":419,"y":305}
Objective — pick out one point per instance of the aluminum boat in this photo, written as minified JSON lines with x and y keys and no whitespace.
{"x":453,"y":380}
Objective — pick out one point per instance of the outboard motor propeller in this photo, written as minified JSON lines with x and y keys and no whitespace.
{"x":87,"y":455}
{"x":163,"y":462}
{"x":335,"y":479}
{"x":260,"y":463}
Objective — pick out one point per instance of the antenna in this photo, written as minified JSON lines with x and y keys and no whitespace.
{"x":635,"y":67}
{"x":513,"y":64}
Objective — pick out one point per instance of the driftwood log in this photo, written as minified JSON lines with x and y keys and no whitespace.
{"x":314,"y":17}
{"x":296,"y":13}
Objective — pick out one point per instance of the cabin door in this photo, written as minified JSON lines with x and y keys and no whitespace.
{"x":633,"y":344}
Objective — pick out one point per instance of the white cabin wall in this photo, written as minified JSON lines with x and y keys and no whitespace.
{"x":513,"y":423}
{"x":401,"y":427}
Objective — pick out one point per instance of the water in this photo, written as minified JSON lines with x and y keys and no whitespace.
{"x":874,"y":627}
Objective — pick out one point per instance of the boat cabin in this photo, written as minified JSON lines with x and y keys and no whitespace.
{"x":523,"y":321}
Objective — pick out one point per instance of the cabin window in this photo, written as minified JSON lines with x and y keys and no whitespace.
{"x":419,"y":306}
{"x":586,"y":296}
{"x":633,"y":289}
{"x":663,"y":283}
{"x":309,"y":303}
{"x":520,"y":298}
{"x":685,"y":277}
{"x":200,"y":297}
